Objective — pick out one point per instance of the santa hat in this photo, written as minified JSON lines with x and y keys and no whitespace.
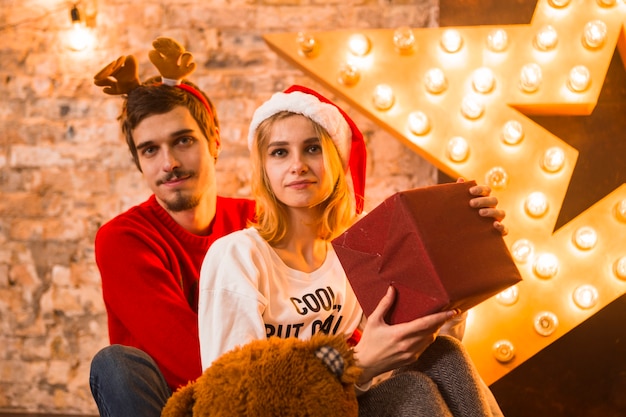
{"x":345,"y":134}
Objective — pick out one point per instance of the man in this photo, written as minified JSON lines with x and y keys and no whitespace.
{"x":150,"y":256}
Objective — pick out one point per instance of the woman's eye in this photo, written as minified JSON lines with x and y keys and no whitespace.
{"x":315,"y":149}
{"x":278,"y":152}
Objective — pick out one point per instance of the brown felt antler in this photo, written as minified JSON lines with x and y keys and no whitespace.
{"x":171,"y":59}
{"x":119,"y":77}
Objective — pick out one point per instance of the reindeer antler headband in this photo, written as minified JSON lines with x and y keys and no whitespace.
{"x":169,"y":57}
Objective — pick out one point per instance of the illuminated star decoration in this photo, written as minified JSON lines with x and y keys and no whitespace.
{"x":458,"y":97}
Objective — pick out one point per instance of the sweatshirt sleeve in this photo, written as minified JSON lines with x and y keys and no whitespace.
{"x":147,"y":304}
{"x":230,"y":309}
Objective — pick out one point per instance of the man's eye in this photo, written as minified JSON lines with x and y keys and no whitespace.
{"x":149,"y":150}
{"x":185,"y":140}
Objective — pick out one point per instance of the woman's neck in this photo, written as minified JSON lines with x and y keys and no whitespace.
{"x":301,"y":248}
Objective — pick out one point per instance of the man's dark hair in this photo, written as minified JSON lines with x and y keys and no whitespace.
{"x":152,"y":98}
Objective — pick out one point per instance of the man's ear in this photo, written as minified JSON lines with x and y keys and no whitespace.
{"x":215,"y":146}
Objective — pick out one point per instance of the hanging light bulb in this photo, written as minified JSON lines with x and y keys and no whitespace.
{"x":579,"y":79}
{"x":497,"y":40}
{"x":594,"y":34}
{"x":79,"y":37}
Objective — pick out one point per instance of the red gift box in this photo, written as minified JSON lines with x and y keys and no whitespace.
{"x":435,"y":249}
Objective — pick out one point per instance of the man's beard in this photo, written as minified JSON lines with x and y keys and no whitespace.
{"x":182,"y":202}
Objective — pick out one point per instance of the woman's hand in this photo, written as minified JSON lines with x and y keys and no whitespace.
{"x":386,"y":347}
{"x":486,"y":205}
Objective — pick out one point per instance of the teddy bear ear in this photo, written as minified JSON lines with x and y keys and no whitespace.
{"x":181,"y":403}
{"x":332,"y":358}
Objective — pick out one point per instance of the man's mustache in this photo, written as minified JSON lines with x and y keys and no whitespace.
{"x":174,"y":176}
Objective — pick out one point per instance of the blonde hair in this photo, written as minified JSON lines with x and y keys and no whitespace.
{"x":337,"y":210}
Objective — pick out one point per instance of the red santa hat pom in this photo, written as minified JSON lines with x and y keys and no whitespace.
{"x":345,"y":134}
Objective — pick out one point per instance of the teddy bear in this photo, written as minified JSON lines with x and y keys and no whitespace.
{"x":274,"y":377}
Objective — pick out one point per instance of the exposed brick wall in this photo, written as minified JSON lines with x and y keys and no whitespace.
{"x":64,"y":169}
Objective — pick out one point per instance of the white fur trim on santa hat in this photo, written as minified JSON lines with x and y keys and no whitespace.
{"x":324,"y":114}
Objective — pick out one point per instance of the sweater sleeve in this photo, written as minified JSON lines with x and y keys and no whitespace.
{"x":147,"y":305}
{"x":230,"y":309}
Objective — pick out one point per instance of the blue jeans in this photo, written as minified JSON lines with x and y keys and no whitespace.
{"x":125,"y":381}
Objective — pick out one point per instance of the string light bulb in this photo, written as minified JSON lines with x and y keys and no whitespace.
{"x":307,"y":44}
{"x":557,"y":4}
{"x":359,"y":44}
{"x":585,"y":238}
{"x":620,"y":210}
{"x":483,"y":80}
{"x":536,"y":204}
{"x":546,"y":39}
{"x":522,"y":250}
{"x":349,"y":74}
{"x":457,"y":149}
{"x":79,"y":37}
{"x":435,"y":81}
{"x":546,"y":323}
{"x":451,"y":40}
{"x":619,"y":268}
{"x":504,"y":351}
{"x":509,"y":296}
{"x":471,"y":107}
{"x":553,"y":159}
{"x":512,"y":132}
{"x":497,"y":177}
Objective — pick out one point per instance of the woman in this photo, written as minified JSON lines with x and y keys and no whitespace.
{"x":281,"y":277}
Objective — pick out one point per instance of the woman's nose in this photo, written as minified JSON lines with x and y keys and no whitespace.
{"x":298,"y":165}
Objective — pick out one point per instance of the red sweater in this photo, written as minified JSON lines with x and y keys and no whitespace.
{"x":150,"y":267}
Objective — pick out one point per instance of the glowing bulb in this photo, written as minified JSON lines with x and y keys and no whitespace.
{"x":80,"y":37}
{"x":504,"y":351}
{"x":435,"y":81}
{"x":471,"y":107}
{"x":619,"y":268}
{"x":512,"y":132}
{"x":546,"y":39}
{"x":585,"y":238}
{"x":419,"y":123}
{"x":579,"y":79}
{"x":383,"y":97}
{"x":620,"y":211}
{"x":536,"y":204}
{"x":558,"y":3}
{"x":483,"y":80}
{"x":585,"y":296}
{"x":606,"y":3}
{"x":546,"y":266}
{"x":349,"y":74}
{"x":497,"y":40}
{"x":307,"y":43}
{"x":594,"y":34}
{"x":451,"y":40}
{"x":522,"y":250}
{"x":530,"y":78}
{"x":359,"y":44}
{"x":509,"y":296}
{"x":404,"y":39}
{"x":546,"y":323}
{"x":457,"y":149}
{"x":553,"y":159}
{"x":497,"y":177}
